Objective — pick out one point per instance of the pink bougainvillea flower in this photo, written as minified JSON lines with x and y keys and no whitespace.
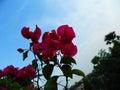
{"x":27,"y":71}
{"x":37,"y":49}
{"x":20,"y":50}
{"x":54,"y":35}
{"x":10,"y":71}
{"x":47,"y":55}
{"x":50,"y":45}
{"x":36,"y":34}
{"x":66,"y":33}
{"x":50,"y":41}
{"x":25,"y":32}
{"x":45,"y":36}
{"x":68,"y":49}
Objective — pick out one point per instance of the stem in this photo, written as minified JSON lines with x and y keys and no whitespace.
{"x":60,"y":84}
{"x":38,"y":79}
{"x":66,"y":86}
{"x":37,"y":69}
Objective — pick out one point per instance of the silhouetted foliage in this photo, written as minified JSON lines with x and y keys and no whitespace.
{"x":106,"y":70}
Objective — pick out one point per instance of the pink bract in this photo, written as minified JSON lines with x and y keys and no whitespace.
{"x":36,"y":34}
{"x":27,"y":71}
{"x":56,"y":40}
{"x":50,"y":45}
{"x":10,"y":71}
{"x":68,"y":49}
{"x":54,"y":35}
{"x":25,"y":32}
{"x":37,"y":49}
{"x":50,"y":41}
{"x":66,"y":33}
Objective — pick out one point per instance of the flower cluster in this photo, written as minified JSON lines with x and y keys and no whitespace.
{"x":11,"y":71}
{"x":59,"y":40}
{"x":12,"y":74}
{"x":27,"y":71}
{"x":56,"y":49}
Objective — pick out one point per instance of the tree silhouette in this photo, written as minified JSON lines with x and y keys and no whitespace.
{"x":106,"y":70}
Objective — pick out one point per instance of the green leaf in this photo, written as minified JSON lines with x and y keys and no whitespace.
{"x":54,"y":59}
{"x":78,"y":72}
{"x":15,"y":85}
{"x":66,"y":69}
{"x":51,"y":83}
{"x":68,"y":60}
{"x":95,"y":60}
{"x":47,"y":71}
{"x":39,"y":57}
{"x":25,"y":55}
{"x":34,"y":64}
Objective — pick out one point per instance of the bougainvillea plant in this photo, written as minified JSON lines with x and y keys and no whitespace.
{"x":12,"y":78}
{"x":55,"y":50}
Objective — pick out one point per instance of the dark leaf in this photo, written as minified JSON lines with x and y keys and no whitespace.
{"x":78,"y":72}
{"x":34,"y":64}
{"x":118,"y":37}
{"x":25,"y":55}
{"x":108,"y":42}
{"x":66,"y":69}
{"x":68,"y":60}
{"x":39,"y":57}
{"x":31,"y":44}
{"x":110,"y":36}
{"x":47,"y":71}
{"x":95,"y":60}
{"x":54,"y":59}
{"x":51,"y":83}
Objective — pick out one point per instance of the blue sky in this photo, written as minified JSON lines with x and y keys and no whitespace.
{"x":91,"y":20}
